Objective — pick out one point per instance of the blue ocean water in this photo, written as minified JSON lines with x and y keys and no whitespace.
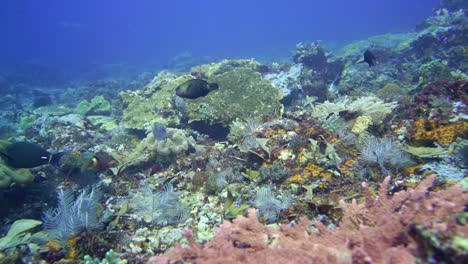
{"x":71,"y":35}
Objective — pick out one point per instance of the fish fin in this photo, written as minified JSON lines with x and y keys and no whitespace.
{"x":5,"y":156}
{"x":213,"y":86}
{"x":362,"y":61}
{"x":54,"y":159}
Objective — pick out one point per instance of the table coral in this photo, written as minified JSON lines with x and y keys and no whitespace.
{"x":243,"y":94}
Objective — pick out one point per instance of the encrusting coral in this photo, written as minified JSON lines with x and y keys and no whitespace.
{"x":379,"y":230}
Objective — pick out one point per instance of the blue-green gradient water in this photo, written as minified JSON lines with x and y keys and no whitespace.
{"x":70,"y":35}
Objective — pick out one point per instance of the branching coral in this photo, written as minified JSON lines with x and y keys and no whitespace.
{"x":382,"y":230}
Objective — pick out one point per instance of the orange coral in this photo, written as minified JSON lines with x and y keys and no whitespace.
{"x":431,"y":131}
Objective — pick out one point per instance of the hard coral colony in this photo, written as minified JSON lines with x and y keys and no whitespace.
{"x":320,"y":159}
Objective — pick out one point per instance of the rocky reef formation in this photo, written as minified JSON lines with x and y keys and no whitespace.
{"x":243,"y":93}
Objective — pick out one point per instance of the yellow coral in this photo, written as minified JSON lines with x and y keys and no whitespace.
{"x":301,"y":158}
{"x":269,"y":133}
{"x":327,"y":176}
{"x":297,"y":178}
{"x":53,"y":246}
{"x":349,"y":163}
{"x":345,"y":169}
{"x":313,"y":169}
{"x":134,"y":141}
{"x":72,"y":251}
{"x":413,"y":169}
{"x":281,"y":131}
{"x":309,"y":132}
{"x":361,"y":124}
{"x":430,"y":130}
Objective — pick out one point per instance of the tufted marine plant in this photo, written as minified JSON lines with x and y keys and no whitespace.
{"x":269,"y":204}
{"x":161,"y":208}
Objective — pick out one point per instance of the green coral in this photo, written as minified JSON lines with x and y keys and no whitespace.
{"x":139,"y":106}
{"x":18,"y":233}
{"x":212,"y":69}
{"x":9,"y":175}
{"x":111,"y":258}
{"x":435,"y":70}
{"x":98,"y":106}
{"x":27,"y":121}
{"x":243,"y":94}
{"x":105,"y":122}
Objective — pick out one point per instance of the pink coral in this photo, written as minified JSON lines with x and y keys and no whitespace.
{"x":380,"y":230}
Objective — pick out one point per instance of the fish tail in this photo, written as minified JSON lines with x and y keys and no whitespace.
{"x":55,"y":159}
{"x":213,"y":86}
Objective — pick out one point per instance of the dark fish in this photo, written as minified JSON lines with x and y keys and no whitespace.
{"x":195,"y":88}
{"x":27,"y":155}
{"x":42,"y":101}
{"x":159,"y":131}
{"x":369,"y":58}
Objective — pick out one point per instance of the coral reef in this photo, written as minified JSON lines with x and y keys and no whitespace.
{"x":176,"y":141}
{"x":287,"y":81}
{"x":375,"y":231}
{"x":72,"y":216}
{"x":162,"y":208}
{"x":430,"y":131}
{"x":243,"y":94}
{"x":98,"y":106}
{"x":153,"y":103}
{"x":288,"y":143}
